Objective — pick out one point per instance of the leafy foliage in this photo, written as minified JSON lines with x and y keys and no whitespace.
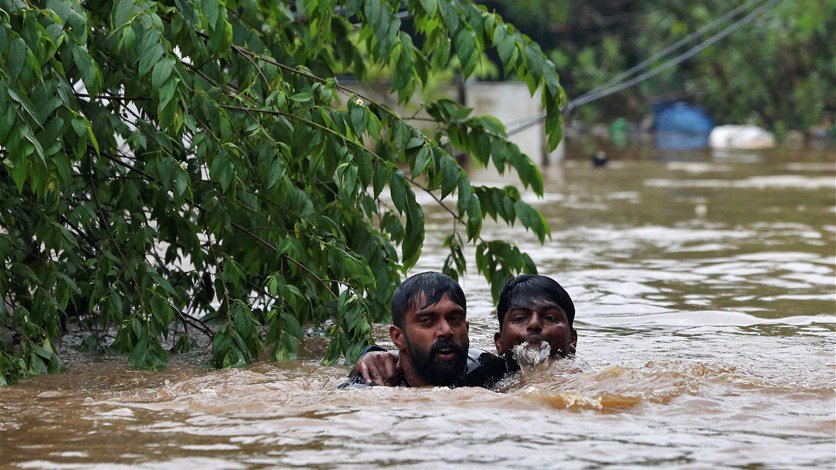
{"x":197,"y":162}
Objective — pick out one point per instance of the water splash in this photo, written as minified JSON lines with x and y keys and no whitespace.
{"x":531,"y":357}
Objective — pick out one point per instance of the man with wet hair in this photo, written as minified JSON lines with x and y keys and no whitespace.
{"x":532,"y":310}
{"x":430,"y":331}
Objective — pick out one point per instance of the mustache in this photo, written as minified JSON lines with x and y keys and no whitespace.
{"x":446,"y":343}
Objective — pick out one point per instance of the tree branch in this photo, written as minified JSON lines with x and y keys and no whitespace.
{"x":357,"y":144}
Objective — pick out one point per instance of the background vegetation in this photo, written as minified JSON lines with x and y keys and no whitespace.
{"x":182,"y":168}
{"x":778,"y":71}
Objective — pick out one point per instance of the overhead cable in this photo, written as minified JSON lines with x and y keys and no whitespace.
{"x":668,"y":50}
{"x":677,"y":60}
{"x":615,"y":88}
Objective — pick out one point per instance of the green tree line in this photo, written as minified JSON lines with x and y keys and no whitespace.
{"x":778,"y":71}
{"x":183,"y":168}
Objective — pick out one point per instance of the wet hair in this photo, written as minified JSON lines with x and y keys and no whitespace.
{"x":526,"y":289}
{"x":432,"y":285}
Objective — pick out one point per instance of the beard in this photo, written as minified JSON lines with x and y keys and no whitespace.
{"x":435,"y":371}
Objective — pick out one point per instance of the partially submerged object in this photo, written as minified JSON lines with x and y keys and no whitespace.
{"x":681,"y":126}
{"x":746,"y":137}
{"x":599,"y":159}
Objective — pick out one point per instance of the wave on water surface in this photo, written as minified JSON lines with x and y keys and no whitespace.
{"x":617,"y":388}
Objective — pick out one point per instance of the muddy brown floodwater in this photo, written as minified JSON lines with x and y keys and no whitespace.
{"x":705,"y":287}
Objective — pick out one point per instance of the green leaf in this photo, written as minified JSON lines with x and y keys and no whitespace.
{"x":359,"y":119}
{"x":554,"y":127}
{"x":221,"y":36}
{"x":181,"y":182}
{"x":40,"y":351}
{"x":534,"y":59}
{"x":441,"y":53}
{"x":162,"y":70}
{"x":87,"y":67}
{"x":292,"y":325}
{"x":166,"y":93}
{"x":221,"y":171}
{"x":276,"y":172}
{"x":184,"y":344}
{"x":7,"y":119}
{"x":27,"y":105}
{"x":374,"y":126}
{"x":532,"y":219}
{"x":16,"y":59}
{"x":211,"y":11}
{"x":529,"y":173}
{"x":450,"y":15}
{"x":122,"y":11}
{"x":92,"y":137}
{"x":506,"y":46}
{"x":403,"y":79}
{"x":424,"y":159}
{"x":128,"y":38}
{"x":372,"y":11}
{"x":430,"y":6}
{"x":149,"y":57}
{"x":349,"y":182}
{"x":414,"y":236}
{"x":302,"y":97}
{"x":20,"y":170}
{"x":37,"y":365}
{"x":450,"y":174}
{"x":163,"y":282}
{"x":415,"y":142}
{"x":398,"y":190}
{"x":466,"y":51}
{"x":381,"y":175}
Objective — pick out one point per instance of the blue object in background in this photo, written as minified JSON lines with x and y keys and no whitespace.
{"x":680,"y":126}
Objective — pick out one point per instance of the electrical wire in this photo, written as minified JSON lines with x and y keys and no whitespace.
{"x":668,"y":50}
{"x":677,"y":60}
{"x":615,"y":88}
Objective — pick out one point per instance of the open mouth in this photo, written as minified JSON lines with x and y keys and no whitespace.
{"x":445,"y":354}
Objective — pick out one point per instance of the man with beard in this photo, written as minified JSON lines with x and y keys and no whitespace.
{"x":532,"y":310}
{"x":430,"y":331}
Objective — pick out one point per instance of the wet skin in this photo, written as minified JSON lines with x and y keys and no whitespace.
{"x":441,"y":324}
{"x":536,"y":322}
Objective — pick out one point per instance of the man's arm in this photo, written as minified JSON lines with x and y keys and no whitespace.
{"x":377,"y":366}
